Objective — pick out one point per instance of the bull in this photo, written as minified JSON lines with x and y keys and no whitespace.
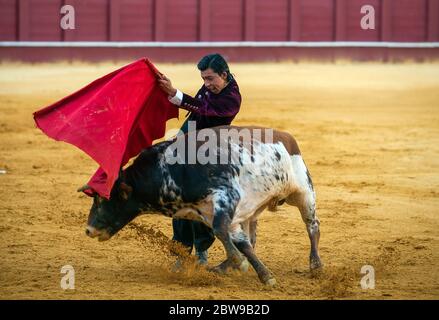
{"x":227,"y":196}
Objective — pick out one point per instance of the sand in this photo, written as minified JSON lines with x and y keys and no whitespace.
{"x":369,"y":134}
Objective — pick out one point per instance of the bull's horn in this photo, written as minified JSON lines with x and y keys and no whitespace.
{"x":123,"y":186}
{"x":83,"y":188}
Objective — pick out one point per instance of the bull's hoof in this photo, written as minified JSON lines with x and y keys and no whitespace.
{"x":315,"y":264}
{"x":267,"y":279}
{"x":221,"y":268}
{"x":225,"y":265}
{"x":217,"y":269}
{"x":270,"y":282}
{"x":243,"y":267}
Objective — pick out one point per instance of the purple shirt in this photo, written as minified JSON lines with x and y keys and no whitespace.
{"x":211,"y":110}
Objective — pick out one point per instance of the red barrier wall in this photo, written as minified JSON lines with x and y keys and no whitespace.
{"x":214,"y":20}
{"x":225,"y":20}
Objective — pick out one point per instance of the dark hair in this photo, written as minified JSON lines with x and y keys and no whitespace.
{"x":217,"y":63}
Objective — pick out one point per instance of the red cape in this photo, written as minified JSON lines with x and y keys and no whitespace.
{"x":112,"y":119}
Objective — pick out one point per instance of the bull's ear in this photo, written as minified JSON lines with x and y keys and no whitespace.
{"x":124,"y":191}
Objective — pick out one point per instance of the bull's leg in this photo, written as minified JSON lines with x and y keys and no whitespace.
{"x":234,"y":259}
{"x":224,"y":207}
{"x":305,"y":201}
{"x":243,"y":244}
{"x":313,"y":227}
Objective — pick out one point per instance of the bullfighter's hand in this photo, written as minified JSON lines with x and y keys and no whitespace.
{"x":166,"y":85}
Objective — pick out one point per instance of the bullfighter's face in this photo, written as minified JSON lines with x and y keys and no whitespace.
{"x":213,"y":81}
{"x":107,"y":217}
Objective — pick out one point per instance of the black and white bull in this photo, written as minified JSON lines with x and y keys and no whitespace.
{"x":227,"y":197}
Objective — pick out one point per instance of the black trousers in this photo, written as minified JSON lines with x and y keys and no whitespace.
{"x":192,"y":233}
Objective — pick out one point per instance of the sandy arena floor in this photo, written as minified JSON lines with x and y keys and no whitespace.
{"x":368,"y":132}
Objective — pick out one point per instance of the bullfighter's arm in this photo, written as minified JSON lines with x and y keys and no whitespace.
{"x":225,"y":106}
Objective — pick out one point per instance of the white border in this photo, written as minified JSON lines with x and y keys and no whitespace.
{"x":249,"y":44}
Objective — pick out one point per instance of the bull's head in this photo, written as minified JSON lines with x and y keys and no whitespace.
{"x":107,"y":217}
